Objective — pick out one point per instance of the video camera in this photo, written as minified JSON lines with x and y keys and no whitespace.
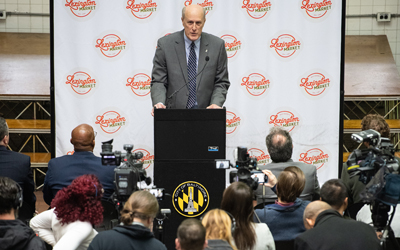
{"x":247,"y":170}
{"x":379,"y":170}
{"x":129,"y":172}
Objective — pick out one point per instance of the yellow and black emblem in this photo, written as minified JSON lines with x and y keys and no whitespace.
{"x":190,"y":199}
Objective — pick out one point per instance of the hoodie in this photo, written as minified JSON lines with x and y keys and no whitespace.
{"x":126,"y":237}
{"x":15,"y":235}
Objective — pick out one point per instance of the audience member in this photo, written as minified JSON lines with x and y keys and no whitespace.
{"x":75,"y":210}
{"x":334,"y":193}
{"x":17,"y":167}
{"x":238,"y":201}
{"x":329,"y":230}
{"x":280,"y":148}
{"x":135,"y":230}
{"x":285,"y":217}
{"x":353,"y":185}
{"x":63,"y":170}
{"x":219,"y":228}
{"x":14,"y":235}
{"x":191,"y":235}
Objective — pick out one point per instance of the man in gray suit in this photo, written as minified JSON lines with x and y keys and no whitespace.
{"x":280,"y":148}
{"x":172,"y":76}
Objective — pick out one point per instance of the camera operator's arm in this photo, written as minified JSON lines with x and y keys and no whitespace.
{"x":271,"y":179}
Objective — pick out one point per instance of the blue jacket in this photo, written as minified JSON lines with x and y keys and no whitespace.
{"x":17,"y":167}
{"x":63,"y":170}
{"x":285,"y":223}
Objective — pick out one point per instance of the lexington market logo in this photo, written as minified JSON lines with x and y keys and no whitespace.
{"x":256,"y":84}
{"x":139,"y":84}
{"x":81,"y":8}
{"x":232,"y":45}
{"x":147,"y":159}
{"x":261,"y":156}
{"x":257,"y":9}
{"x":190,"y":199}
{"x":81,"y":82}
{"x":284,"y":119}
{"x":316,"y":9}
{"x":315,"y":157}
{"x":111,"y":121}
{"x":315,"y":84}
{"x":111,"y":45}
{"x":141,"y":9}
{"x":207,"y":5}
{"x":285,"y":45}
{"x":232,"y":122}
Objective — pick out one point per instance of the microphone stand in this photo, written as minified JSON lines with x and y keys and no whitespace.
{"x":176,"y":91}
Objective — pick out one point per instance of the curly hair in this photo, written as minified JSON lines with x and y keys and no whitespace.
{"x":80,"y":201}
{"x":377,"y":123}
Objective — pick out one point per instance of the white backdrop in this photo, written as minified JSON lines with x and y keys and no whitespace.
{"x":284,"y":69}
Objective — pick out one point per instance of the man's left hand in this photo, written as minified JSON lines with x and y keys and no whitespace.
{"x":214,"y":106}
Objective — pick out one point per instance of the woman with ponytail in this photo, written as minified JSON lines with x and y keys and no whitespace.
{"x":75,"y":210}
{"x":135,"y":230}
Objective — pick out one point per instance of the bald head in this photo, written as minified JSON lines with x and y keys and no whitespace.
{"x":312,"y":211}
{"x":279,"y":144}
{"x":193,"y":9}
{"x":82,"y":137}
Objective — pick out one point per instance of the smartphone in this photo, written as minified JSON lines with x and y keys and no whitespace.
{"x":262,"y":178}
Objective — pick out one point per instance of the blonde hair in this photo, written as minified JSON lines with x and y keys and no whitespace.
{"x":218,"y":225}
{"x":142,"y":205}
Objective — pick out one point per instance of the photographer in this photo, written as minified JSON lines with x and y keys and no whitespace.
{"x":135,"y":232}
{"x":285,"y":217}
{"x":353,"y":185}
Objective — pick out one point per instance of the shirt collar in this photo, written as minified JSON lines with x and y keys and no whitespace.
{"x":188,"y":41}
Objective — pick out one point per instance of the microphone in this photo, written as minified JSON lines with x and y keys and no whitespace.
{"x":176,"y":91}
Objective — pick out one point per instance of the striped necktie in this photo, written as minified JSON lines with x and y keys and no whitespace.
{"x":192,"y":71}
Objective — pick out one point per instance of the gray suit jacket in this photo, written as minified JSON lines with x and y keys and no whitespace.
{"x":170,"y":72}
{"x":265,"y":194}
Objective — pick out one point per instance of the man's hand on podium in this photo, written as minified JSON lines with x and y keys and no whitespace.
{"x":213,"y":106}
{"x":158,"y":106}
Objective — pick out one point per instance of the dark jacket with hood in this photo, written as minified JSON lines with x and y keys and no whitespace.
{"x":332,"y":232}
{"x":15,"y":235}
{"x":126,"y":237}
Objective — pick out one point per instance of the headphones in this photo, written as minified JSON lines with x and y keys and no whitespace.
{"x":233,"y":227}
{"x":19,"y":198}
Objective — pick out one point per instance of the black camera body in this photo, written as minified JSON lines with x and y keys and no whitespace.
{"x":129,"y":172}
{"x":246,"y":168}
{"x":367,"y":162}
{"x":377,"y":168}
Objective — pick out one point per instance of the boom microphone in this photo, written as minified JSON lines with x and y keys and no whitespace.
{"x":176,"y":91}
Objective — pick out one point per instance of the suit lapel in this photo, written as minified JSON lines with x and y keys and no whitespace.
{"x":203,"y":53}
{"x":181,"y":53}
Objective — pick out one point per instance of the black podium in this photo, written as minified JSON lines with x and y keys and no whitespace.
{"x":186,"y":144}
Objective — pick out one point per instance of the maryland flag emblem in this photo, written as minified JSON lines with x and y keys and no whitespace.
{"x":190,"y":199}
